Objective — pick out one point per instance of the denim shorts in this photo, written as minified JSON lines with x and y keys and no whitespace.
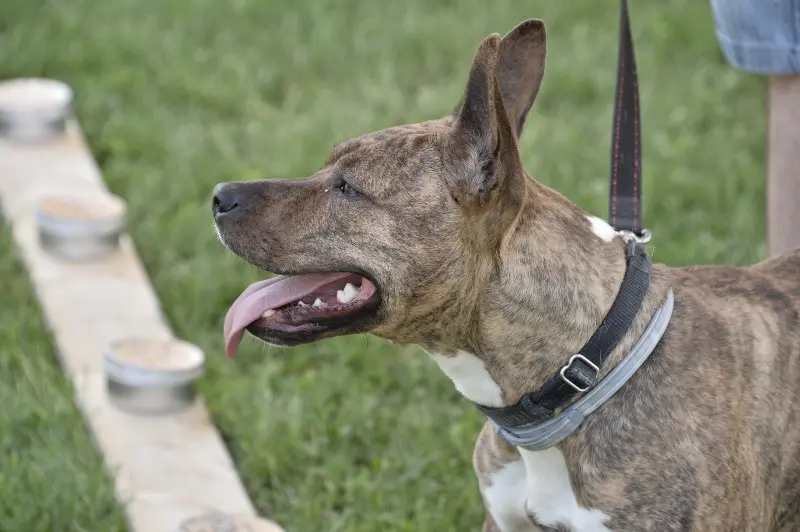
{"x":759,"y":36}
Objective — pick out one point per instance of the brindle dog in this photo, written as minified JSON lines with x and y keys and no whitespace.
{"x":434,"y":234}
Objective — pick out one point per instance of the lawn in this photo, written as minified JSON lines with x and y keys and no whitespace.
{"x":176,"y":95}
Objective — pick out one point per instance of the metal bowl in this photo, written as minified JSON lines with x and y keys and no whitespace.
{"x":221,"y":522}
{"x":34,"y":109}
{"x":80,"y":229}
{"x":152,"y":376}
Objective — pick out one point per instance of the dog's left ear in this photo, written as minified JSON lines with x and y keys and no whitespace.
{"x":520,"y":69}
{"x":504,"y":79}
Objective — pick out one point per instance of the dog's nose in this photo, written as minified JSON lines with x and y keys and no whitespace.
{"x":225,"y":199}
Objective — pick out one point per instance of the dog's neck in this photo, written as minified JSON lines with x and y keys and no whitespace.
{"x":560,"y":273}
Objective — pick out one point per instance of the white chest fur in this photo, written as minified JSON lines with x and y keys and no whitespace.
{"x":471,"y":378}
{"x":535,"y":487}
{"x":538,"y":488}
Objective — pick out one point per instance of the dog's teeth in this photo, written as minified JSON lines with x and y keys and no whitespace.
{"x":319,"y":304}
{"x":350,"y":291}
{"x":347,"y":294}
{"x":268,"y":313}
{"x":302,"y":304}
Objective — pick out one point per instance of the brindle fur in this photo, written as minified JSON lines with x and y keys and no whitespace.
{"x":469,"y":252}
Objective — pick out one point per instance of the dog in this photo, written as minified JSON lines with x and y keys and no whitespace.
{"x":434,"y":234}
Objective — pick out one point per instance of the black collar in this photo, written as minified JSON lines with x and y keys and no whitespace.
{"x":580,"y":372}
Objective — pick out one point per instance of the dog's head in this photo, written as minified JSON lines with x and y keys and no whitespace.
{"x":399,"y":230}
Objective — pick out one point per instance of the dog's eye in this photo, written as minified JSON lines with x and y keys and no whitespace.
{"x":346,"y":189}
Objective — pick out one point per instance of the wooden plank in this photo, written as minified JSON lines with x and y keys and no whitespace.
{"x":168,"y":470}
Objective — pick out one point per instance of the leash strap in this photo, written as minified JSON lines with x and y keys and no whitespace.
{"x":581,"y":372}
{"x":625,"y":207}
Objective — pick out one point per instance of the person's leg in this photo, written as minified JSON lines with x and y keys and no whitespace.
{"x":764,"y":38}
{"x":783,"y":164}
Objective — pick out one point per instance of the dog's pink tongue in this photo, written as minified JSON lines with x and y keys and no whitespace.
{"x":265,"y":295}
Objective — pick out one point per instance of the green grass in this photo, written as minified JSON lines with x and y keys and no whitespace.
{"x":50,"y":476}
{"x":175,"y":95}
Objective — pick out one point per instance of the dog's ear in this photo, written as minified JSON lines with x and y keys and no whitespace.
{"x":503,"y":81}
{"x":521,"y":68}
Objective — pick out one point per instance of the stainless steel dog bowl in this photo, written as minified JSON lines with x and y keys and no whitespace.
{"x":152,"y":376}
{"x":80,"y":229}
{"x":34,"y":109}
{"x":220,"y":522}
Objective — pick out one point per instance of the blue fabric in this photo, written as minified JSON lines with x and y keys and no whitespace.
{"x":759,"y":36}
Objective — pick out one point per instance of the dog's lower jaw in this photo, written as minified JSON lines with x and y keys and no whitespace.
{"x":292,"y":336}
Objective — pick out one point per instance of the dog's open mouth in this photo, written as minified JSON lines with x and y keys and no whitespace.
{"x":299,"y":306}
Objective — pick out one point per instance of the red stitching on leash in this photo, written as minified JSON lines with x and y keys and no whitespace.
{"x":616,"y":141}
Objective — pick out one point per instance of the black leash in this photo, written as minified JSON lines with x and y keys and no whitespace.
{"x":625,"y":215}
{"x":625,"y":207}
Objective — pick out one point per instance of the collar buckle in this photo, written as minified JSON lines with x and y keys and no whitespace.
{"x":577,"y":373}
